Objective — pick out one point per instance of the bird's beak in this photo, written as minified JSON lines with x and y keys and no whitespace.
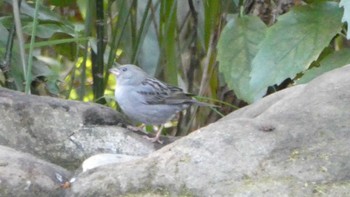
{"x":114,"y":71}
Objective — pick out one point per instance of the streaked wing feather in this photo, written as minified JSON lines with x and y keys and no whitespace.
{"x":156,"y":92}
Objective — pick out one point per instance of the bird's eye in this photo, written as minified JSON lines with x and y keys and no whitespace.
{"x":124,"y":69}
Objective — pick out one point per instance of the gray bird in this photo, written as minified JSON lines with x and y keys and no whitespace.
{"x":147,"y":100}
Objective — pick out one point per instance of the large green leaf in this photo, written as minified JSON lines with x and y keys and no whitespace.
{"x":346,"y":17}
{"x":332,"y":61}
{"x":293,"y":43}
{"x":238,"y":45}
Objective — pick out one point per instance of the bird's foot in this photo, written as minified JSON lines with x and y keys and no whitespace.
{"x":154,"y":139}
{"x":136,"y":128}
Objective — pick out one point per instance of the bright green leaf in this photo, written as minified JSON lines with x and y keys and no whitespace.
{"x":346,"y":17}
{"x":332,"y":61}
{"x":293,"y":43}
{"x":83,"y":6}
{"x":237,"y":47}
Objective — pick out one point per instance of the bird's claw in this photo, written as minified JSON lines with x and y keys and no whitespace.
{"x":154,"y":139}
{"x":133,"y":128}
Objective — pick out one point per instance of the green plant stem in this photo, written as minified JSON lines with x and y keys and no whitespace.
{"x":98,"y":63}
{"x":87,"y":32}
{"x":217,"y":101}
{"x":19,"y":32}
{"x":31,"y":48}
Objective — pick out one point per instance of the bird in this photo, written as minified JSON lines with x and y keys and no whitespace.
{"x":147,"y":100}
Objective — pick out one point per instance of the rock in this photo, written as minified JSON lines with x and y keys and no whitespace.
{"x":104,"y":159}
{"x":88,"y":141}
{"x":293,"y":143}
{"x":22,"y":174}
{"x":64,"y":132}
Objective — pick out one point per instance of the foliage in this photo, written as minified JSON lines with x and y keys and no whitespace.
{"x":346,"y":16}
{"x":184,"y":43}
{"x":238,"y":45}
{"x":332,"y":61}
{"x":289,"y":47}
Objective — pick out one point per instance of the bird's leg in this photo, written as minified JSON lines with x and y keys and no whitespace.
{"x":156,"y":138}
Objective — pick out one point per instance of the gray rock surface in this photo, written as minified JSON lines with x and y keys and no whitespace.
{"x":292,"y":143}
{"x":22,"y":174}
{"x":64,"y":132}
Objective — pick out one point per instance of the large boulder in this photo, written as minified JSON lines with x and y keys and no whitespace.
{"x":293,"y":143}
{"x":64,"y":132}
{"x":22,"y":174}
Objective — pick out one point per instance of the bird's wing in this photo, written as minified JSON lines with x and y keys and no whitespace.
{"x":157,"y":92}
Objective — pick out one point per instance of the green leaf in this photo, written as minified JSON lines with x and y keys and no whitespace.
{"x":41,"y":69}
{"x":211,"y":13}
{"x":4,"y":36}
{"x":332,"y":61}
{"x":346,"y":17}
{"x":57,"y":41}
{"x":168,"y":12}
{"x":16,"y":66}
{"x":50,"y":69}
{"x":45,"y":14}
{"x":146,"y":48}
{"x":48,"y":30}
{"x":293,"y":43}
{"x":238,"y":45}
{"x":62,"y":3}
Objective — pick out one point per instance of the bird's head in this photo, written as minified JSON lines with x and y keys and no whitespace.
{"x":128,"y":74}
